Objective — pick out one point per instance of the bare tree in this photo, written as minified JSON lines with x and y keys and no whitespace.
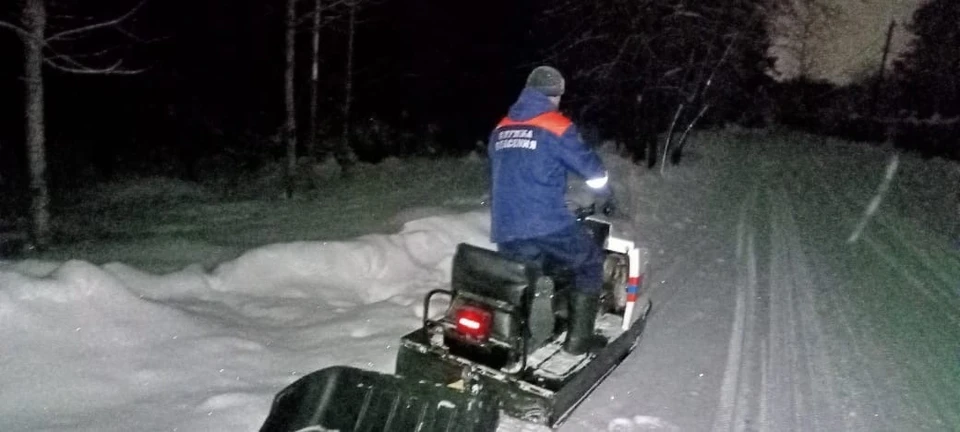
{"x":40,"y":48}
{"x":701,"y":95}
{"x":318,"y":18}
{"x":344,"y":154}
{"x":314,"y":78}
{"x":799,"y":27}
{"x":290,"y":126}
{"x":640,"y":70}
{"x":35,"y":20}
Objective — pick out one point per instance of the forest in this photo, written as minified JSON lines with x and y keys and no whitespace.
{"x":93,"y":92}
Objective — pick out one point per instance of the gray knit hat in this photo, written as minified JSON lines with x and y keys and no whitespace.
{"x":546,"y":80}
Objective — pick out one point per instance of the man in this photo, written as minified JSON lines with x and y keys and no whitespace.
{"x":531,"y":151}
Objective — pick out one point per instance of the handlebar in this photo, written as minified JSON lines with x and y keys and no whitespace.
{"x":583,"y":212}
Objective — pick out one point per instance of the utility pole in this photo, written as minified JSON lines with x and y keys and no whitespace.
{"x":875,"y":98}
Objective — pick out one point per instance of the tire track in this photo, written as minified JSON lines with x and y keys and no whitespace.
{"x":940,"y":299}
{"x":922,"y":372}
{"x":886,"y":226}
{"x":924,"y":257}
{"x":779,"y":373}
{"x":730,"y":410}
{"x":940,"y":267}
{"x":748,"y":397}
{"x":938,"y":292}
{"x":817,"y":391}
{"x":784,"y":385}
{"x":856,"y":347}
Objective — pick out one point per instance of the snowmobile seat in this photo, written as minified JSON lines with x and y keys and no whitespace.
{"x":487,"y":274}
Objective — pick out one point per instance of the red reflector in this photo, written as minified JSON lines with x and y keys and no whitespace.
{"x":473,"y":322}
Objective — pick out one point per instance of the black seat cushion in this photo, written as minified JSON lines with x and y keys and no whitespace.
{"x":489,"y":274}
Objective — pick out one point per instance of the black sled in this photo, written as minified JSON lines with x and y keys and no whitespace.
{"x":497,"y":349}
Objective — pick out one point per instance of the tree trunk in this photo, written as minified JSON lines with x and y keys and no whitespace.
{"x":678,"y":150}
{"x":669,"y":140}
{"x":311,"y":147}
{"x":290,"y":128}
{"x":345,"y":155}
{"x":35,"y":21}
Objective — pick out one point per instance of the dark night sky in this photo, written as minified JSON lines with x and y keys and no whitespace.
{"x":855,"y":42}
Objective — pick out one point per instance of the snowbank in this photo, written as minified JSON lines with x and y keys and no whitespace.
{"x":81,"y":339}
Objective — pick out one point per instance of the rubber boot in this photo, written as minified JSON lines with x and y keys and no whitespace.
{"x":580,"y":332}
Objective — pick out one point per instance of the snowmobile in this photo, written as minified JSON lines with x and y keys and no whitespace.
{"x":495,"y":350}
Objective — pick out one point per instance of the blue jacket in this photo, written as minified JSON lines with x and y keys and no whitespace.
{"x":531,"y":151}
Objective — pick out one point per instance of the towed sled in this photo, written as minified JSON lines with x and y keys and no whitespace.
{"x":495,"y":350}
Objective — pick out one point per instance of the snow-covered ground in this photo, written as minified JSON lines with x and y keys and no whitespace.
{"x":792,"y":291}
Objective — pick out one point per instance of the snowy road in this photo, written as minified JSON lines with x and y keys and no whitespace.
{"x":778,"y":306}
{"x":767,"y":319}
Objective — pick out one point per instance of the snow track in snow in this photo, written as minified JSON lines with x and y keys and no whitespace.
{"x":732,"y":393}
{"x":906,"y":349}
{"x":767,"y":319}
{"x":779,"y":372}
{"x":807,"y":367}
{"x":777,"y":375}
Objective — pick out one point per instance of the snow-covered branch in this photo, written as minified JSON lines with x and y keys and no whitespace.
{"x":69,"y":63}
{"x":16,"y":29}
{"x":327,"y":6}
{"x":66,"y":34}
{"x":114,"y":69}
